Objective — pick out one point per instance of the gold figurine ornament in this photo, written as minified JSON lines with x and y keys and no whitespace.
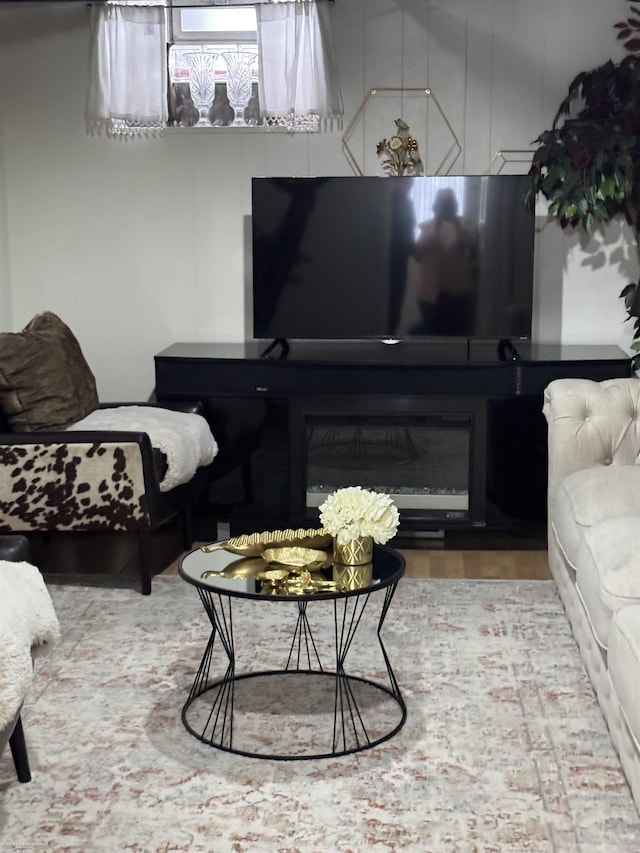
{"x":401,"y":151}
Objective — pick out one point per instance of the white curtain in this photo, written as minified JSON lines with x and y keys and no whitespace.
{"x":299,"y":86}
{"x":128,"y":71}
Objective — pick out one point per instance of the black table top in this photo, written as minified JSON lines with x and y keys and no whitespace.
{"x":240,"y":577}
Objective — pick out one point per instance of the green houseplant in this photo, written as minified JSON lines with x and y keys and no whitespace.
{"x":587,"y":165}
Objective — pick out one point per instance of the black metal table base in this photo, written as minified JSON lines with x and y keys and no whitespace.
{"x":211,"y":713}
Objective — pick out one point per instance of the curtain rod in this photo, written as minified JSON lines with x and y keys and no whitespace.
{"x":177,"y":4}
{"x":167,"y":4}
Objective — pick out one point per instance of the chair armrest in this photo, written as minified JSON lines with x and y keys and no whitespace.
{"x":81,"y":437}
{"x":589,"y":424}
{"x":51,"y":480}
{"x":195,"y":407}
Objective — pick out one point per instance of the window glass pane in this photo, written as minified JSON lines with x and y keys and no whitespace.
{"x":213,"y":84}
{"x":213,"y":67}
{"x":240,"y":19}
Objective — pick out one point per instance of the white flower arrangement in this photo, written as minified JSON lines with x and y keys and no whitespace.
{"x":349,"y":513}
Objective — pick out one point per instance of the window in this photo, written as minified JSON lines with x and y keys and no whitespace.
{"x":213,"y":67}
{"x":216,"y":57}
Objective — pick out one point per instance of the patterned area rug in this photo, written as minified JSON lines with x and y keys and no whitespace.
{"x":504,"y":747}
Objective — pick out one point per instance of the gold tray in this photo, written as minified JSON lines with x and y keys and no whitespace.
{"x":254,"y":544}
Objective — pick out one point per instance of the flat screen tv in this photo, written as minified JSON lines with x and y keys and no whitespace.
{"x":392,"y":258}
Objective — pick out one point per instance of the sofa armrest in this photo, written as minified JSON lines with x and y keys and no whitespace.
{"x":590,"y":423}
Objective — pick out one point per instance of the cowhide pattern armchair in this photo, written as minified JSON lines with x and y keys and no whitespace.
{"x":93,"y":479}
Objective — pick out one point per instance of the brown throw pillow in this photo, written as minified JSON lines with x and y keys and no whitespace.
{"x":45,"y":382}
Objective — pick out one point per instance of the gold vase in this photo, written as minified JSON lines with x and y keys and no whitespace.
{"x":356,"y":552}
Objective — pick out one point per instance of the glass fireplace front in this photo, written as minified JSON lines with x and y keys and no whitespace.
{"x":424,"y":460}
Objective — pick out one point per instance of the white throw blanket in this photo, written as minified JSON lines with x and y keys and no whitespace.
{"x":28,"y":627}
{"x":183,"y":437}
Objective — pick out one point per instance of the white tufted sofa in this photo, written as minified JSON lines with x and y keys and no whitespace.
{"x":594,"y":542}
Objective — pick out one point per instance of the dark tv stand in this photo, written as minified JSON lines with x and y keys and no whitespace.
{"x":507,"y":351}
{"x":276,"y":342}
{"x":359,"y":410}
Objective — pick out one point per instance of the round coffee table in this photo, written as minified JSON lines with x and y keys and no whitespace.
{"x":329,"y":711}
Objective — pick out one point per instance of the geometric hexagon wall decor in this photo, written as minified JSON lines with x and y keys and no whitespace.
{"x":420,"y":109}
{"x":512,"y":161}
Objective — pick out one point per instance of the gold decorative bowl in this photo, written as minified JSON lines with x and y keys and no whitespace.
{"x":295,"y":556}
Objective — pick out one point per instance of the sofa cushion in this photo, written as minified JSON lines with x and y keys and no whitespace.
{"x":45,"y":382}
{"x":590,"y":496}
{"x":608,"y":573}
{"x":624,"y":664}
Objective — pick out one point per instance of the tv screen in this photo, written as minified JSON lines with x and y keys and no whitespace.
{"x":392,"y":258}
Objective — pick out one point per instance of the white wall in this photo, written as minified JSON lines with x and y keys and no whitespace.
{"x":5,"y":291}
{"x":138,"y":245}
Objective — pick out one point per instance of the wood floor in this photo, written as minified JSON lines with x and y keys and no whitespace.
{"x":506,"y":565}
